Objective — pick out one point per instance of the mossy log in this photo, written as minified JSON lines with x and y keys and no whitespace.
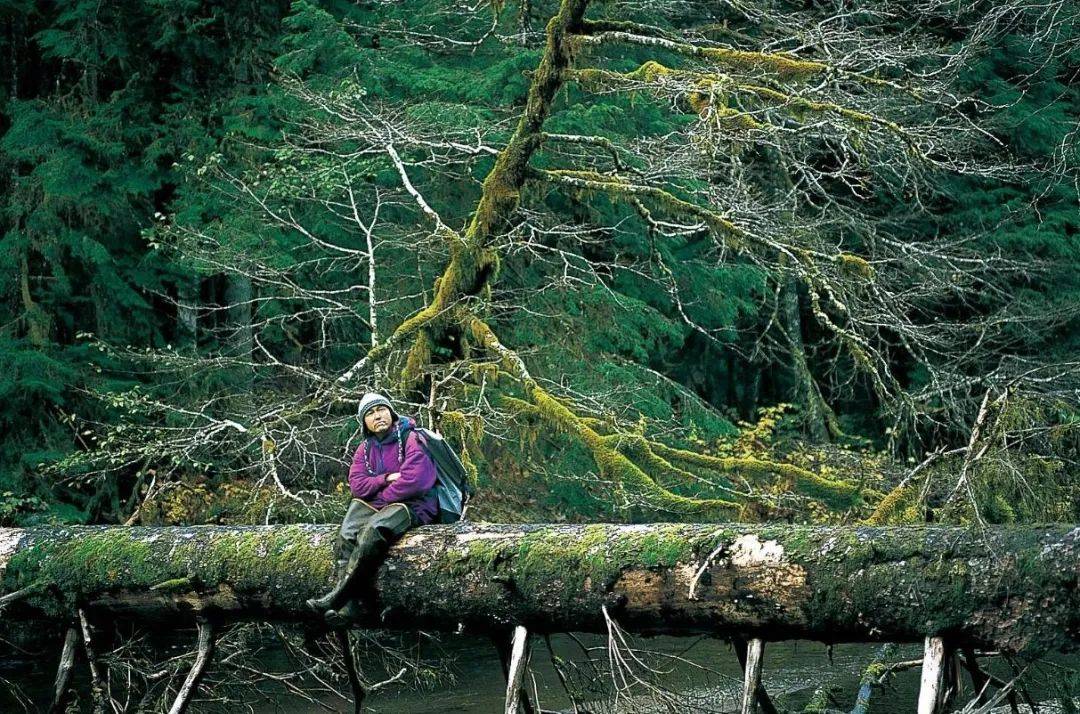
{"x":1011,"y":589}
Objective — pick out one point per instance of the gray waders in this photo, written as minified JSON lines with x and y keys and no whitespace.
{"x":366,"y":536}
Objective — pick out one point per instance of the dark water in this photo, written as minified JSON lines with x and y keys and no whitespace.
{"x":463,"y":674}
{"x":705,"y":671}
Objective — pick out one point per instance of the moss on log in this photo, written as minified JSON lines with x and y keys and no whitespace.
{"x":1013,"y":589}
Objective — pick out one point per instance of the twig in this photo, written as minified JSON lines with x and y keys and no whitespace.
{"x":704,"y":566}
{"x":560,"y":674}
{"x":204,"y":652}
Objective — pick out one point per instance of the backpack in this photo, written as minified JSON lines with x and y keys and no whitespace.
{"x":452,"y":485}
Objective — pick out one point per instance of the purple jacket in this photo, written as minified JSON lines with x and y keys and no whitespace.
{"x":417,"y":473}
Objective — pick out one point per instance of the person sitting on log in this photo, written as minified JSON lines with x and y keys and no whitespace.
{"x":391,"y":480}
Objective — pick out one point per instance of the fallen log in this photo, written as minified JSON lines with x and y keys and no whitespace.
{"x":1010,"y":589}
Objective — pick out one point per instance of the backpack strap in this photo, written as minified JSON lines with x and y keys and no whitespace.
{"x":421,"y":440}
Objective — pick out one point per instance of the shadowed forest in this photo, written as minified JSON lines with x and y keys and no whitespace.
{"x":741,"y":286}
{"x":664,"y":261}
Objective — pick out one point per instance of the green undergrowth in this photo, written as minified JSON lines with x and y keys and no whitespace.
{"x":759,"y":471}
{"x":196,"y":501}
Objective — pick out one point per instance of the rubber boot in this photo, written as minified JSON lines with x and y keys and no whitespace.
{"x":341,"y":567}
{"x":320,"y":604}
{"x":371,"y":547}
{"x":344,"y":615}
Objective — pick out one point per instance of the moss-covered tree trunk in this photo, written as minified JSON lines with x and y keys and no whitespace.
{"x":1012,"y":589}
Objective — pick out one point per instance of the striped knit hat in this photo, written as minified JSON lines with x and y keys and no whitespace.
{"x":369,"y":401}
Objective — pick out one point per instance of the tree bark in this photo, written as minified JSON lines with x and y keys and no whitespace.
{"x":805,"y":390}
{"x":238,"y":297}
{"x":1010,"y":589}
{"x":187,"y":312}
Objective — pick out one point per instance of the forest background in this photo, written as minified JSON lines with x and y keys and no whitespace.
{"x":211,"y":212}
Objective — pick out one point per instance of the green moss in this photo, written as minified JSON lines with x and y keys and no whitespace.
{"x":173,"y":584}
{"x":835,"y":493}
{"x":593,"y":559}
{"x":108,"y":559}
{"x":855,"y":266}
{"x":650,"y":71}
{"x":74,"y":566}
{"x":712,"y":89}
{"x":898,"y":506}
{"x":416,"y":363}
{"x":785,"y":66}
{"x":820,"y":701}
{"x":640,"y":488}
{"x":664,"y":547}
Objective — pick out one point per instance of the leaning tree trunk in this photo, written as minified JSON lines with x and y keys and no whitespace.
{"x":1005,"y":588}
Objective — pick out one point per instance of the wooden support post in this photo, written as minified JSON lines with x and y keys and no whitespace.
{"x":752,"y":676}
{"x":359,"y":693}
{"x":516,"y":671}
{"x":503,"y":644}
{"x":952,"y":685}
{"x":97,"y":683}
{"x":63,"y":671}
{"x":763,"y":701}
{"x":933,"y":670}
{"x":204,"y":651}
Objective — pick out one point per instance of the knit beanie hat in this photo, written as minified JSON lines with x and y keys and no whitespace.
{"x":370,"y":400}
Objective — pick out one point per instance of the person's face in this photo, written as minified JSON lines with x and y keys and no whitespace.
{"x":378,"y":420}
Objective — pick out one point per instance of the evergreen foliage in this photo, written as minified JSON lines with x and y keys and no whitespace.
{"x":189,"y":213}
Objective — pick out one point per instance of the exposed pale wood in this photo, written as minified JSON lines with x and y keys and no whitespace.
{"x":755,"y":651}
{"x":516,"y":671}
{"x":64,"y":670}
{"x":16,"y":596}
{"x":359,"y":693}
{"x":503,"y":642}
{"x":933,"y":671}
{"x":764,"y":702}
{"x":204,"y":651}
